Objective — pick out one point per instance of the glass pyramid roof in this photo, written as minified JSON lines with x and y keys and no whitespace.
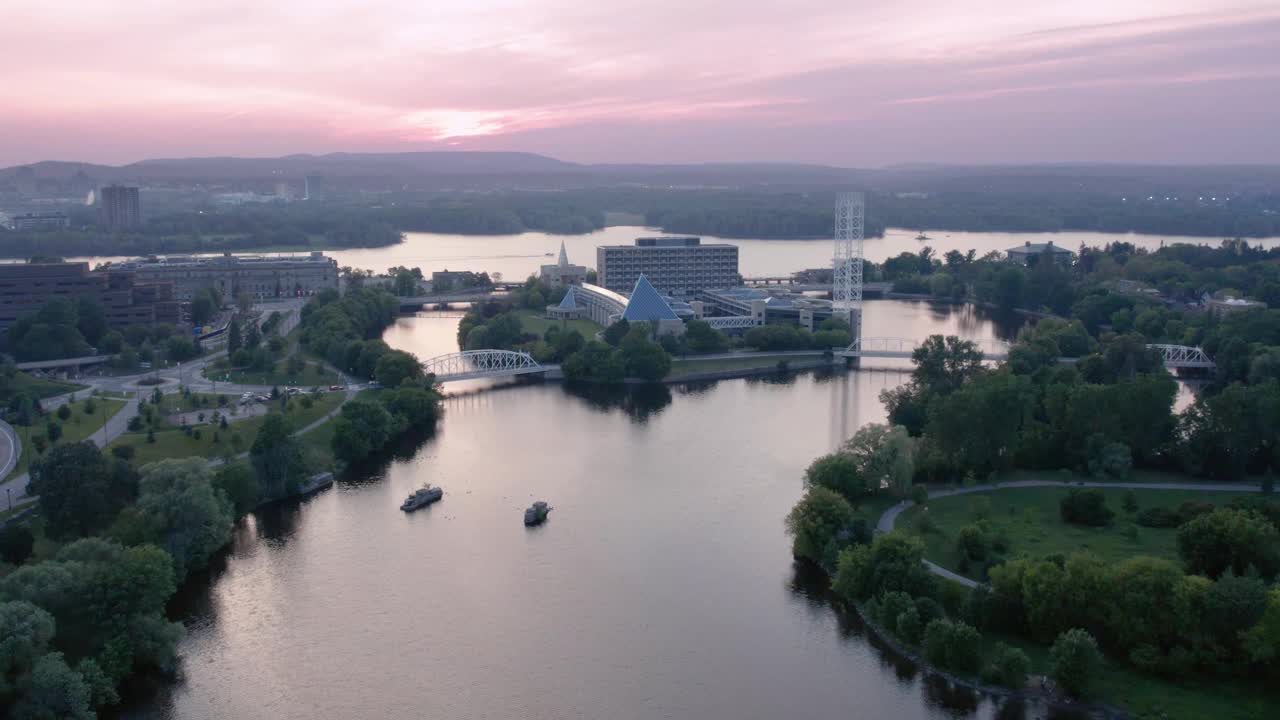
{"x":646,"y":304}
{"x":568,"y":303}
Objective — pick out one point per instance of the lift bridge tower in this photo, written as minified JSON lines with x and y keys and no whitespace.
{"x":846,"y":295}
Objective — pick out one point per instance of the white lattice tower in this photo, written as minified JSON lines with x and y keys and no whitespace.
{"x":846,"y":296}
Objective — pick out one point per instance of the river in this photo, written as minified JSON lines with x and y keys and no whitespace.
{"x":517,"y":256}
{"x":661,"y":587}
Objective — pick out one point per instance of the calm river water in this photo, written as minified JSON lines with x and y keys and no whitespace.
{"x":516,"y":256}
{"x":661,"y":587}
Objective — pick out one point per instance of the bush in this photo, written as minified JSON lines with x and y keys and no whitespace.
{"x":909,"y":626}
{"x":1110,"y":460}
{"x":1085,"y":507}
{"x":16,"y":543}
{"x":1130,"y":502}
{"x":919,"y":495}
{"x":1158,"y":517}
{"x":955,"y":645}
{"x":1008,"y":667}
{"x":974,"y":542}
{"x":892,"y":604}
{"x":1075,"y":661}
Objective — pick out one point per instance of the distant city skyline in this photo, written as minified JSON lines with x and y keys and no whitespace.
{"x":845,"y":83}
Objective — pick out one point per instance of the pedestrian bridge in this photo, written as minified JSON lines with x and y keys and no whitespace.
{"x":890,"y":347}
{"x":1174,"y":356}
{"x":476,"y":364}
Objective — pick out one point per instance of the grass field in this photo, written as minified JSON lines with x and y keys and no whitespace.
{"x":533,"y":322}
{"x":313,"y":373}
{"x":43,"y":388}
{"x":75,"y":428}
{"x":175,"y":443}
{"x":1145,"y":696}
{"x":1028,"y":519}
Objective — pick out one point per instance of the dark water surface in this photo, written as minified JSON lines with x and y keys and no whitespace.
{"x":661,"y":587}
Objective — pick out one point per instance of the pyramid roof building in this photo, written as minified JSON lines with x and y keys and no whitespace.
{"x":646,"y":304}
{"x":568,"y":303}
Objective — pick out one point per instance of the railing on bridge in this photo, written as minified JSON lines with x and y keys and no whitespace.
{"x":1174,"y":356}
{"x":1183,"y":356}
{"x":886,"y":347}
{"x":472,"y":364}
{"x":731,"y":322}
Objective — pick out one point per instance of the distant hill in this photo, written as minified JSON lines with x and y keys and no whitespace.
{"x":486,"y":170}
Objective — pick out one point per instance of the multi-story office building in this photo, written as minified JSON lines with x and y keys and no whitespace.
{"x":26,"y":287}
{"x":40,"y":221}
{"x":678,"y":266}
{"x":118,"y":208}
{"x":261,"y":276}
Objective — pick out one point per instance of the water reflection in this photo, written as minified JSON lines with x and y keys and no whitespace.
{"x":638,"y":402}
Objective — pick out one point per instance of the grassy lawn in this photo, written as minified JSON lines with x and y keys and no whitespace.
{"x":313,"y":373}
{"x":532,"y":321}
{"x":1146,"y":696}
{"x":175,"y":444}
{"x":75,"y":428}
{"x":691,"y":365}
{"x":43,"y":388}
{"x":1028,"y":519}
{"x":17,"y":508}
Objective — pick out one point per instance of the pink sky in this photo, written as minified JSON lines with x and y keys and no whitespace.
{"x":842,"y":82}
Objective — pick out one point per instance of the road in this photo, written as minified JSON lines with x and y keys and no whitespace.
{"x":10,"y":448}
{"x":191,"y":376}
{"x":890,"y":517}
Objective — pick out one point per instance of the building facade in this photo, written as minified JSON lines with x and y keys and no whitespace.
{"x":40,"y":221}
{"x":1031,"y":253}
{"x":119,"y":208}
{"x":678,"y":266}
{"x":562,"y":273}
{"x":125,"y":300}
{"x":261,"y":276}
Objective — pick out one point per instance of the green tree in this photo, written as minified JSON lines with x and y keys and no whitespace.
{"x":16,"y":543}
{"x":838,"y":472}
{"x":180,"y":510}
{"x":815,"y":522}
{"x":361,"y":429}
{"x":1229,"y":539}
{"x":80,"y":490}
{"x":276,"y":457}
{"x":396,"y":366}
{"x":892,"y":561}
{"x":643,"y":358}
{"x":885,"y":457}
{"x":1075,"y":662}
{"x":234,"y":339}
{"x":1009,"y":667}
{"x":703,"y":338}
{"x":615,"y":332}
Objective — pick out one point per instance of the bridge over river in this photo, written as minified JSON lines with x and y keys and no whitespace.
{"x":476,"y":364}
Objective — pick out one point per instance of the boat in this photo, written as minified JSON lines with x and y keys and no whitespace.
{"x":922,"y":236}
{"x":548,"y":254}
{"x":421,"y":497}
{"x":536,"y":514}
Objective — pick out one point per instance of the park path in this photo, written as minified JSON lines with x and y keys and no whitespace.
{"x":889,"y":517}
{"x":115,"y":426}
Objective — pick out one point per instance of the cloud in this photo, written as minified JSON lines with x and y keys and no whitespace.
{"x":690,"y":80}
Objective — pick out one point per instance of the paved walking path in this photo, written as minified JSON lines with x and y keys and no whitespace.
{"x":115,"y":426}
{"x":890,"y":517}
{"x":10,"y":448}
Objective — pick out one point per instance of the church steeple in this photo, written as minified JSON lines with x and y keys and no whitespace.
{"x":564,"y":256}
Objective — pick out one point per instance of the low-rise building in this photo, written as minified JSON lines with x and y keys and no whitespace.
{"x":261,"y":276}
{"x":1219,"y":307}
{"x":563,"y":273}
{"x":125,"y":300}
{"x":1030,"y":253}
{"x":40,"y":221}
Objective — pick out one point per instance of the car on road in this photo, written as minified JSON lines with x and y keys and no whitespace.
{"x":335,"y":388}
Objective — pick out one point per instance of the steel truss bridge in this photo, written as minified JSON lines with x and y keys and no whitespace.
{"x":885,"y":347}
{"x":1174,"y":356}
{"x":474,"y":364}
